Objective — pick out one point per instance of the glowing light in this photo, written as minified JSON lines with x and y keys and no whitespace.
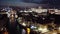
{"x":25,"y":11}
{"x":40,"y":29}
{"x":21,"y":11}
{"x":16,"y":16}
{"x":12,"y":15}
{"x":28,"y":30}
{"x":1,"y":29}
{"x":54,"y":33}
{"x":43,"y":30}
{"x":43,"y":18}
{"x":33,"y":27}
{"x":23,"y":24}
{"x":59,"y":28}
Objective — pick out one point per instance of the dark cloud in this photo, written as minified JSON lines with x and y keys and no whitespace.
{"x":29,"y":2}
{"x":34,"y":1}
{"x":17,"y":3}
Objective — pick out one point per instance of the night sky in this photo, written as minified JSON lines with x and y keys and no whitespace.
{"x":29,"y":3}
